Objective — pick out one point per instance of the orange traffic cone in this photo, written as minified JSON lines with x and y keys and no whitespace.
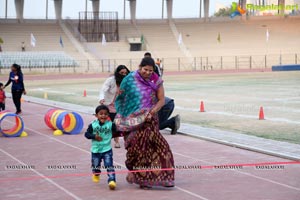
{"x":261,"y":114}
{"x":202,"y":107}
{"x":22,"y":100}
{"x":84,"y":93}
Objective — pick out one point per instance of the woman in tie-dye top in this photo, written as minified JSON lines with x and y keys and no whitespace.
{"x":142,"y":93}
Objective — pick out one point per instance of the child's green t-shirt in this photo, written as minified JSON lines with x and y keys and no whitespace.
{"x":105,"y":132}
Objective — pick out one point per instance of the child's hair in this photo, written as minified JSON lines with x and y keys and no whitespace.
{"x":101,"y":107}
{"x":1,"y":84}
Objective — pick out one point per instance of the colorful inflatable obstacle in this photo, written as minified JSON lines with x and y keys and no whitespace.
{"x":18,"y":128}
{"x":63,"y":121}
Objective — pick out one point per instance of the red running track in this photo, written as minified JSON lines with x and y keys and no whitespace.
{"x":43,"y":151}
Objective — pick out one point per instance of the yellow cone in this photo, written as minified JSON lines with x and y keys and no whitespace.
{"x":45,"y":95}
{"x":23,"y":134}
{"x":57,"y":132}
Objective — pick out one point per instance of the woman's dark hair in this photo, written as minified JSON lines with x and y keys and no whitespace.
{"x":101,"y":107}
{"x":147,"y":61}
{"x":17,"y":67}
{"x":1,"y":84}
{"x":118,"y":76}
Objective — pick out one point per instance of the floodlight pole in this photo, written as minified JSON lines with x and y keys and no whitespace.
{"x":46,"y":9}
{"x":124,"y":9}
{"x":200,"y":9}
{"x":6,"y":9}
{"x":162,"y":10}
{"x":86,"y":2}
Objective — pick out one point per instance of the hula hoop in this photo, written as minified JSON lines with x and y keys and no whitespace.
{"x":16,"y":130}
{"x":68,"y":122}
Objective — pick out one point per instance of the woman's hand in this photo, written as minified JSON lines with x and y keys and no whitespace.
{"x":153,"y":111}
{"x":102,"y":101}
{"x":119,"y":92}
{"x":24,"y":92}
{"x":150,"y":115}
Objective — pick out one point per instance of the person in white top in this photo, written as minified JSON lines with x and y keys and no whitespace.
{"x":109,"y":92}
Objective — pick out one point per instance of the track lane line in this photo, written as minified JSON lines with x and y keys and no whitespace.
{"x":188,"y":192}
{"x":85,"y":151}
{"x":42,"y":175}
{"x":191,"y":193}
{"x":248,"y":174}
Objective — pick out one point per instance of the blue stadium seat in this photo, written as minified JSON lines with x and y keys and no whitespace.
{"x":37,"y":59}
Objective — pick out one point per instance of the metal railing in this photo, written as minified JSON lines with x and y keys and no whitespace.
{"x":238,"y":62}
{"x":211,"y":62}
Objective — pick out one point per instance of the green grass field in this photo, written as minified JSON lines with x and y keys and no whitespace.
{"x":232,"y":101}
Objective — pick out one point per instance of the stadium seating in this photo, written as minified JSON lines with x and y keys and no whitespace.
{"x":48,"y":52}
{"x":47,"y":35}
{"x":37,"y":59}
{"x":240,"y":38}
{"x":160,"y":38}
{"x":237,"y":37}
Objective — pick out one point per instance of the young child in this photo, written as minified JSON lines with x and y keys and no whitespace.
{"x":100,"y":132}
{"x":2,"y":97}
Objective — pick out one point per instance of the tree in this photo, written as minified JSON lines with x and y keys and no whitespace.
{"x":223,"y":12}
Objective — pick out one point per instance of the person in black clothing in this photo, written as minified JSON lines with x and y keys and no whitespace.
{"x":17,"y":89}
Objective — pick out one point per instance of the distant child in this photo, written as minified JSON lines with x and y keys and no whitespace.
{"x":100,"y":132}
{"x":2,"y":97}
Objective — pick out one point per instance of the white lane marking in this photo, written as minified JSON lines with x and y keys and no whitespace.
{"x":43,"y":176}
{"x":49,"y":90}
{"x":191,"y":193}
{"x":248,"y":174}
{"x":268,"y":180}
{"x":78,"y":148}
